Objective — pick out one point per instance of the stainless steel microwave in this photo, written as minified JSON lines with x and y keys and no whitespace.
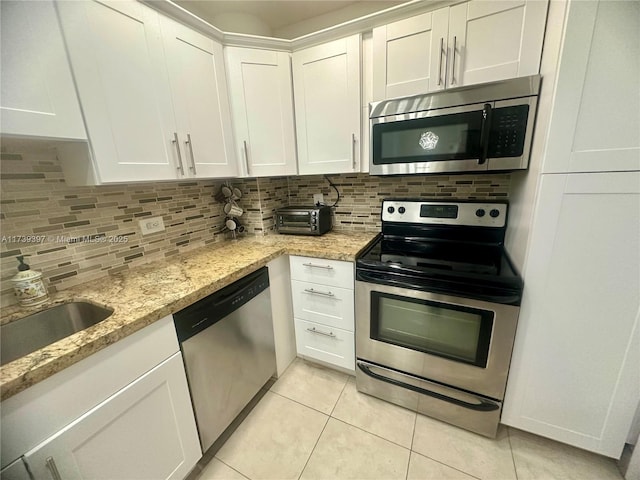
{"x":486,"y":127}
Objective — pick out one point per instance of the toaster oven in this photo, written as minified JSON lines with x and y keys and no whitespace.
{"x":314,"y":220}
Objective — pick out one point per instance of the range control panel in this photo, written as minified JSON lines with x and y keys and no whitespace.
{"x":474,"y":214}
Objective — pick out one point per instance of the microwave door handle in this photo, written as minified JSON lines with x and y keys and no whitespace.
{"x":484,"y":133}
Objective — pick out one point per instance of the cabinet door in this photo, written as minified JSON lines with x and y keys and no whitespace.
{"x":262,"y":111}
{"x":146,"y":430}
{"x":326,"y":80}
{"x":495,"y":40}
{"x":590,"y":130}
{"x":199,"y":92}
{"x":410,"y":55}
{"x":118,"y":64}
{"x":37,"y":94}
{"x":574,"y":372}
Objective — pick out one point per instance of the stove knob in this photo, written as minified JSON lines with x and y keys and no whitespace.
{"x":401,"y":210}
{"x":480,"y":212}
{"x":494,"y":213}
{"x":391,"y":209}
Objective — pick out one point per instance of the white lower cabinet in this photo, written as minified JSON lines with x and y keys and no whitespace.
{"x":122,"y":413}
{"x":323,"y":310}
{"x":574,"y":374}
{"x":328,"y":344}
{"x":146,"y":430}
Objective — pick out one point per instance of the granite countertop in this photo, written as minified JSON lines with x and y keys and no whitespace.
{"x":152,"y":291}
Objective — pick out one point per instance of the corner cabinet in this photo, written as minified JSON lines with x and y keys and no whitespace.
{"x":262,"y":111}
{"x":38,"y":98}
{"x":141,"y":125}
{"x":327,"y":90}
{"x":323,"y":310}
{"x":472,"y":42}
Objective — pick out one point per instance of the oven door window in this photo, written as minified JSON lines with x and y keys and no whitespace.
{"x":451,"y":331}
{"x":454,"y":136}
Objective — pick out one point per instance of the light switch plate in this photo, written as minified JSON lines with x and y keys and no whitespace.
{"x":151,"y":225}
{"x":318,"y":198}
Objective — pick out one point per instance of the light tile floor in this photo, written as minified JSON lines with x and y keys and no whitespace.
{"x":314,"y":424}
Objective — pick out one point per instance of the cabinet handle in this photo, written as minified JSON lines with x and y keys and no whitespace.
{"x":175,"y":141}
{"x":246,"y":156}
{"x":316,"y":292}
{"x":51,"y":465}
{"x":453,"y":61}
{"x":193,"y":160}
{"x":313,"y":330}
{"x":326,"y":267}
{"x":353,"y":150}
{"x":440,"y":61}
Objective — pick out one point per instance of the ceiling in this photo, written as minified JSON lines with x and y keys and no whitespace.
{"x":281,"y":18}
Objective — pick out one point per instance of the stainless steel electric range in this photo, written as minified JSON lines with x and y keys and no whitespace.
{"x":437,"y":303}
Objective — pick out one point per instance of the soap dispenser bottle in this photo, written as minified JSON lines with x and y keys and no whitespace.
{"x":28,"y":285}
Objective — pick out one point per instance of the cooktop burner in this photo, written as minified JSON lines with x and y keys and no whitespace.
{"x":446,"y":247}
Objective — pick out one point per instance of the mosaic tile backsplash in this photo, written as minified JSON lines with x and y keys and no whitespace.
{"x":75,"y":234}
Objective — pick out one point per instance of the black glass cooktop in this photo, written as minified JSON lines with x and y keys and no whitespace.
{"x":460,"y":268}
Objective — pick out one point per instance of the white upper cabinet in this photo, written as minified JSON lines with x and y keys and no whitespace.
{"x":200,"y":100}
{"x":117,"y":59}
{"x":153,"y":93}
{"x":326,"y":81}
{"x":262,"y":111}
{"x":595,"y":125}
{"x":37,"y":95}
{"x":473,"y":42}
{"x":495,"y":40}
{"x":409,"y":55}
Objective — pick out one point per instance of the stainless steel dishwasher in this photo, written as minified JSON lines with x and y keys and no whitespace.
{"x":228,"y":349}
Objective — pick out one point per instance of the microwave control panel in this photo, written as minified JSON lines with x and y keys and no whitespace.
{"x":508,"y":131}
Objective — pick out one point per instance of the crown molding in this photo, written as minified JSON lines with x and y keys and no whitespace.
{"x":352,"y":27}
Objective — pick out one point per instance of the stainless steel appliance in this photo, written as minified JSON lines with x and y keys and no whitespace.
{"x":485,"y":127}
{"x":228,"y":349}
{"x":314,"y":220}
{"x":437,"y":303}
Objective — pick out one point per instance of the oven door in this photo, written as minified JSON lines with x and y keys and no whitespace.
{"x":463,"y":343}
{"x":441,"y":140}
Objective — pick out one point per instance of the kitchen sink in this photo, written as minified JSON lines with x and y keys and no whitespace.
{"x":24,"y":336}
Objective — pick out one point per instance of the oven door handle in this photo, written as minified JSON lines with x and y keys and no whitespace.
{"x":483,"y":406}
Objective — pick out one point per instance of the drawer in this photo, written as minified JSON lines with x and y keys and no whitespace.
{"x":328,"y":344}
{"x":323,"y":304}
{"x":323,"y":272}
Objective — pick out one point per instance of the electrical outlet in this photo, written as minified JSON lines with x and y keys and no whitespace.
{"x":318,"y":198}
{"x":151,"y":225}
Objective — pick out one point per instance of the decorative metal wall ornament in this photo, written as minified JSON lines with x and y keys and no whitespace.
{"x":429,"y":140}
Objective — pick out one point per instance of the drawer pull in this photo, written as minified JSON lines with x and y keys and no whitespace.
{"x":325,"y":294}
{"x":313,"y":330}
{"x":326,"y":267}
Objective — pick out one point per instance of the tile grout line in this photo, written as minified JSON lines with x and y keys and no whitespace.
{"x":300,"y":403}
{"x":314,"y":447}
{"x":329,"y":417}
{"x":224,"y":463}
{"x":513,"y":458}
{"x":413,"y":435}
